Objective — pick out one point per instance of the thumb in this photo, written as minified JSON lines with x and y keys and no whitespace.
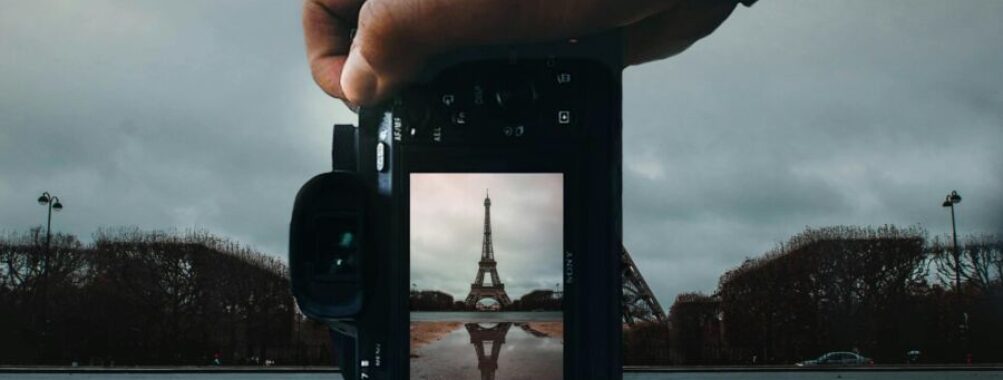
{"x":358,"y":79}
{"x":385,"y":51}
{"x":396,"y":37}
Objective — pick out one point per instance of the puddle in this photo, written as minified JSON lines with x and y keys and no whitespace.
{"x":498,"y":350}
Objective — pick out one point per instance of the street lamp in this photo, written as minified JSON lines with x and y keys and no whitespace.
{"x":949,"y":201}
{"x":53,"y":203}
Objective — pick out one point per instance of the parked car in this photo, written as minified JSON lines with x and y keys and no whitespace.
{"x":836,"y":359}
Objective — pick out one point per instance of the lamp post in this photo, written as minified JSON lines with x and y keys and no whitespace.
{"x":949,"y":201}
{"x":53,"y":204}
{"x":952,"y":199}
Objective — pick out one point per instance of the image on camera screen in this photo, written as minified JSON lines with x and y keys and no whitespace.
{"x":486,"y":276}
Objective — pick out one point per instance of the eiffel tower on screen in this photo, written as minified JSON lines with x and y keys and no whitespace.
{"x":479,"y":290}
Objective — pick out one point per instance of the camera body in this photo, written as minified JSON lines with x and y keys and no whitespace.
{"x":550,"y":108}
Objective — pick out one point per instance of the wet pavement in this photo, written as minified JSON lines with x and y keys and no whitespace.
{"x":294,"y":374}
{"x":500,"y":351}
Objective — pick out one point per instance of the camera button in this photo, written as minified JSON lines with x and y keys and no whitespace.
{"x":564,"y":81}
{"x":459,"y":118}
{"x":478,"y":95}
{"x":517,"y":97}
{"x":448,"y":99}
{"x":381,"y":156}
{"x":563,"y":78}
{"x":564,"y":117}
{"x":514,"y":131}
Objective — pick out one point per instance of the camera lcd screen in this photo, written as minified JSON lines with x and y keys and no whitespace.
{"x":486,"y":276}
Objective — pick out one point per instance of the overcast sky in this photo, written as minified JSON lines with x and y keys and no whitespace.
{"x":527,"y":224}
{"x":202,"y":114}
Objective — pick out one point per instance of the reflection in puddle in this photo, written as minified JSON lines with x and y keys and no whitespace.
{"x":493,"y":337}
{"x":499,"y":351}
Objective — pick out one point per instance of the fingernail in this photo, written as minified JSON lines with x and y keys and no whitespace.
{"x":358,"y":79}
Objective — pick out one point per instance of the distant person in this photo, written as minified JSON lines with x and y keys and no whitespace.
{"x":395,"y":37}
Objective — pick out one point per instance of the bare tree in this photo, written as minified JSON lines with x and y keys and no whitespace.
{"x":149,"y":297}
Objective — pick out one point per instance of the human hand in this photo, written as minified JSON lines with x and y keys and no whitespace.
{"x":395,"y":37}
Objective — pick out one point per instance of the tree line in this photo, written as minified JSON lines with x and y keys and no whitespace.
{"x":879,"y":291}
{"x":435,"y":300}
{"x":148,"y":298}
{"x":135,"y":297}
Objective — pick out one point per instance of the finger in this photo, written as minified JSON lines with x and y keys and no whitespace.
{"x":670,"y":32}
{"x":395,"y":38}
{"x":326,"y":28}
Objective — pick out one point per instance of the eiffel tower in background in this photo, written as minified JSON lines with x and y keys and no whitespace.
{"x":639,"y":303}
{"x":487,"y":265}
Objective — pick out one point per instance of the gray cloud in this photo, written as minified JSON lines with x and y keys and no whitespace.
{"x":159,"y":115}
{"x":185,"y":114}
{"x":799,"y":114}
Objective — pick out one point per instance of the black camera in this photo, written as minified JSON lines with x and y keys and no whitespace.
{"x":472,"y":225}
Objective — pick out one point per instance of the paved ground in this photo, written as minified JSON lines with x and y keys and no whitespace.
{"x":801,"y":375}
{"x":882,"y":373}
